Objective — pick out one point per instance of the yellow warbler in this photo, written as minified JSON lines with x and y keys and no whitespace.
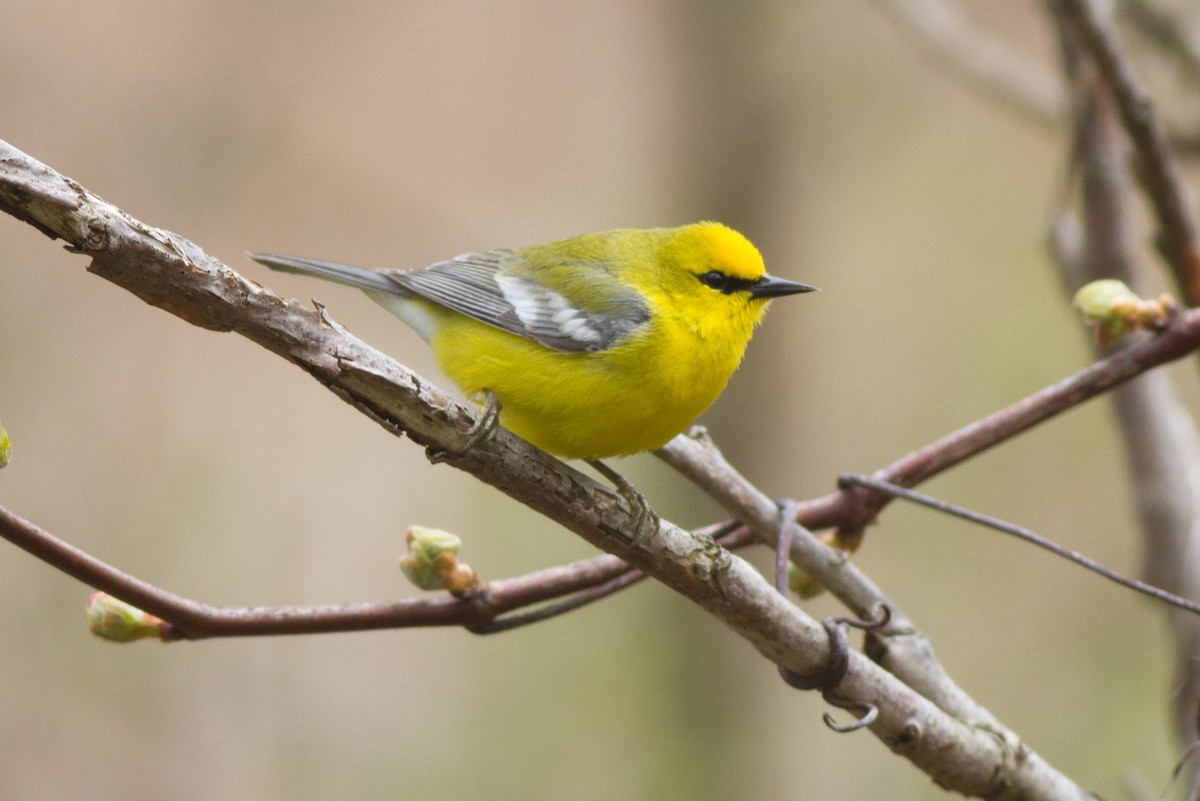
{"x":600,"y":345}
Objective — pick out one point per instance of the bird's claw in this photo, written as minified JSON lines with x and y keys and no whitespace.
{"x":481,"y":430}
{"x":637,"y":501}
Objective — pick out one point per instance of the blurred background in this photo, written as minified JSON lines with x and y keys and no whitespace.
{"x":396,"y":134}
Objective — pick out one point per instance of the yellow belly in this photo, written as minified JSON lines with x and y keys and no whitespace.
{"x":589,"y":405}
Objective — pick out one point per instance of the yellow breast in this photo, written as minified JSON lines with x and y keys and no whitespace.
{"x":593,"y":405}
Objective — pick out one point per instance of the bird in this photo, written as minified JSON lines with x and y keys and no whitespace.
{"x":596,"y":346}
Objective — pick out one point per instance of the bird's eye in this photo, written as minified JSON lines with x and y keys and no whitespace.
{"x":715,"y":279}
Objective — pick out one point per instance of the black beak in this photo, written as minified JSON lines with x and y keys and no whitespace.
{"x":771,"y":287}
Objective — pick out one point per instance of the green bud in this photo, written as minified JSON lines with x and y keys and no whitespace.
{"x":1114,"y":310}
{"x":116,"y":621}
{"x":431,"y":562}
{"x":1099,"y":299}
{"x":427,"y":543}
{"x":420,"y":563}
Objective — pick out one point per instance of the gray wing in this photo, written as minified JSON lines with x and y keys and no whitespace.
{"x":569,"y":306}
{"x":466,"y":284}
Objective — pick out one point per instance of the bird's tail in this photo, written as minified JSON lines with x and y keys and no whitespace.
{"x":370,"y":280}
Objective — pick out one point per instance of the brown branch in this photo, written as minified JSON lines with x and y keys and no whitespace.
{"x":177,"y":276}
{"x":1159,"y":171}
{"x":487,"y":610}
{"x":987,"y":64}
{"x":1167,"y":29}
{"x":854,"y":509}
{"x":192,"y":620}
{"x":899,"y":646}
{"x":1162,"y":445}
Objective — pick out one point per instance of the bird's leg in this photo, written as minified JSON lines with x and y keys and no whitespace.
{"x":489,"y":420}
{"x":636,"y":500}
{"x":483,"y":428}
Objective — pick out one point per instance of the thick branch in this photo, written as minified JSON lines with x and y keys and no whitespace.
{"x":177,"y":276}
{"x":899,"y":646}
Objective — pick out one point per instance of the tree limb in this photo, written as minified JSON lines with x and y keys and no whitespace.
{"x":1158,"y":169}
{"x":177,"y":276}
{"x":853,"y":510}
{"x":1162,"y":447}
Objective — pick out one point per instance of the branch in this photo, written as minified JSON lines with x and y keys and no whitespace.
{"x":1168,"y":29}
{"x":852,"y":510}
{"x":1159,"y":171}
{"x":1161,"y":443}
{"x":1025,"y":535}
{"x":985,"y":63}
{"x":899,"y":646}
{"x":177,"y":276}
{"x":191,"y":620}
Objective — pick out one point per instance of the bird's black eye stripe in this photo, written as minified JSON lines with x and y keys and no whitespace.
{"x":715,"y":279}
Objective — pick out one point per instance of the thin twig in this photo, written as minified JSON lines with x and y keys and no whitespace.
{"x":579,"y":600}
{"x":727,"y":536}
{"x":487,"y":611}
{"x":856,"y":508}
{"x":192,"y":620}
{"x":1022,"y":534}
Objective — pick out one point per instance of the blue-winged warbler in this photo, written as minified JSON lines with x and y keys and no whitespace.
{"x":600,"y":345}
